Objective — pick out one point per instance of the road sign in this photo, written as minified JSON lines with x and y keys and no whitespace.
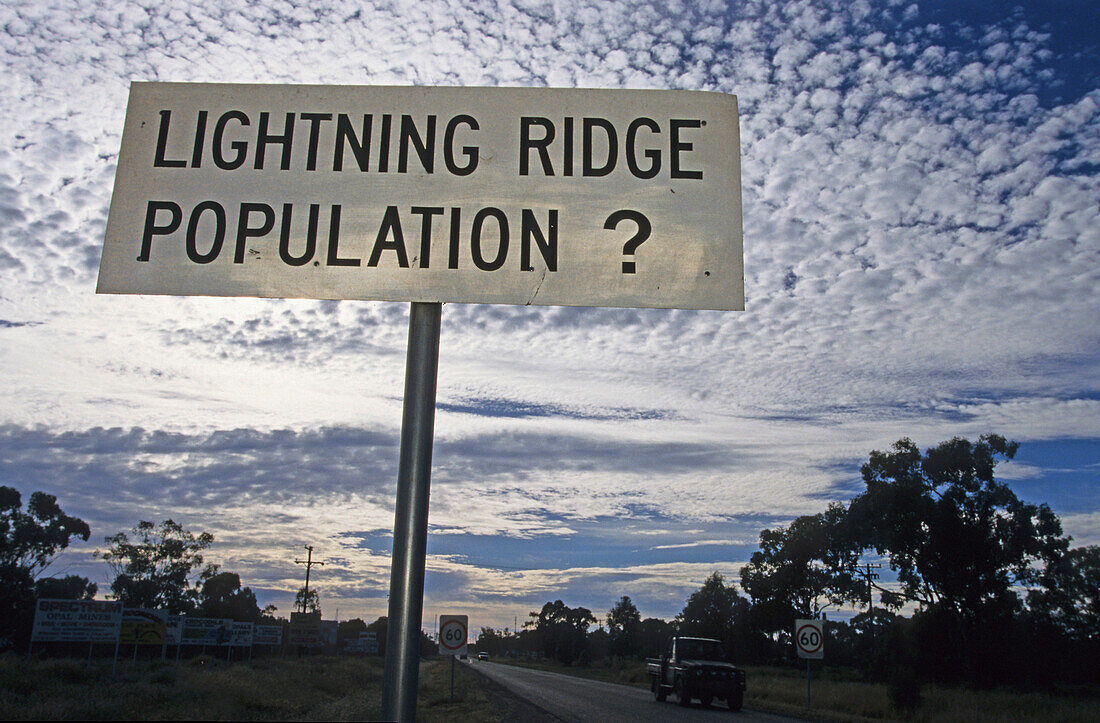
{"x":453,"y":631}
{"x":628,"y":198}
{"x":809,"y":639}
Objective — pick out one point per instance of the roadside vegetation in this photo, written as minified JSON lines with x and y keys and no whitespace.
{"x":300,"y":689}
{"x":838,"y":694}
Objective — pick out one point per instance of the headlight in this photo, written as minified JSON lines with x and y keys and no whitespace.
{"x":698,"y":671}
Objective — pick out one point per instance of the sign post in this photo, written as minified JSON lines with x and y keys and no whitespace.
{"x":453,"y":633}
{"x":552,"y":197}
{"x":809,"y":640}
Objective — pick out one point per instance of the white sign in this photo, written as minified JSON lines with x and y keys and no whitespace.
{"x":626,"y":198}
{"x":809,"y":639}
{"x":453,"y":631}
{"x":77,"y":621}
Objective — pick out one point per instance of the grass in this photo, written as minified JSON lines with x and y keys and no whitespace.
{"x":300,"y":689}
{"x":839,"y":695}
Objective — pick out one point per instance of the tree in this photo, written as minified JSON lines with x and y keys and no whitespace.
{"x":561,"y":630}
{"x":161,"y":567}
{"x":623,"y":622}
{"x":717,"y":610}
{"x":70,"y":587}
{"x":307,"y":601}
{"x":956,"y":536}
{"x":709,"y":611}
{"x":29,"y":541}
{"x":801,"y":570}
{"x":349,"y":631}
{"x":653,"y":634}
{"x":959,"y":541}
{"x":223,"y":597}
{"x":1068,"y":598}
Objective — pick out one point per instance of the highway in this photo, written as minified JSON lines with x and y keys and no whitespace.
{"x":578,"y":699}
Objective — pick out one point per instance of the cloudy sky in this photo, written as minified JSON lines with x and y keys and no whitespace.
{"x":922,"y":258}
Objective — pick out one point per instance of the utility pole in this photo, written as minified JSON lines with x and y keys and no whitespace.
{"x":308,"y":562}
{"x":867,"y":570}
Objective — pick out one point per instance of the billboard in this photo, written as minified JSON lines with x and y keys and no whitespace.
{"x":77,"y":621}
{"x":305,"y":629}
{"x":206,"y":631}
{"x":141,"y":626}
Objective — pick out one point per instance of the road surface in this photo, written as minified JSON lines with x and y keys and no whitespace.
{"x":579,"y":699}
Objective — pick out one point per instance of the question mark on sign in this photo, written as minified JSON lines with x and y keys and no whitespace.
{"x":632,"y":244}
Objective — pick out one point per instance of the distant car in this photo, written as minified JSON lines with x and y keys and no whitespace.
{"x":482,"y":656}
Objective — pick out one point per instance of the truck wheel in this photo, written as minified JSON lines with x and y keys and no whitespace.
{"x":736,"y":700}
{"x":682,"y":696}
{"x":706,"y":700}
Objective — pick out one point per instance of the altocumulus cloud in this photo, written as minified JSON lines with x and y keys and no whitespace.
{"x":922,"y":249}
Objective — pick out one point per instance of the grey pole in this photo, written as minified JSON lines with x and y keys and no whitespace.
{"x":410,"y":527}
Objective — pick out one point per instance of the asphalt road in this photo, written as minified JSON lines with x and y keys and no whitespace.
{"x":579,"y":699}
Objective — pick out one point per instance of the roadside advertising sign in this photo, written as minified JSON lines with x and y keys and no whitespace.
{"x":206,"y":631}
{"x":576,"y":197}
{"x":77,"y":621}
{"x":369,"y":641}
{"x":305,"y":629}
{"x":453,"y":631}
{"x":268,"y":635}
{"x":141,"y":626}
{"x":809,"y":639}
{"x":241,"y":634}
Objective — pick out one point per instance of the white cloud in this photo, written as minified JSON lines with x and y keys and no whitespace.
{"x":921,"y":240}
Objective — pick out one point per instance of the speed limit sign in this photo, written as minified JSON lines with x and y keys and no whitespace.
{"x":809,"y":639}
{"x":453,"y":630}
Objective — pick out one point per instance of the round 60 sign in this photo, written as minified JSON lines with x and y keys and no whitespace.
{"x":809,"y":639}
{"x":453,"y":630}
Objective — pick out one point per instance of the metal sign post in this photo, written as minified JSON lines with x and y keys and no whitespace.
{"x":809,"y":641}
{"x":410,"y":529}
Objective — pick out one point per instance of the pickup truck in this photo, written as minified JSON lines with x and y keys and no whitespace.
{"x":696,"y":668}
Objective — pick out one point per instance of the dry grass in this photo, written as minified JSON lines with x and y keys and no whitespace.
{"x":314,"y":688}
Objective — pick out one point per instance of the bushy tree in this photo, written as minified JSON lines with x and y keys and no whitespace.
{"x":30,"y":540}
{"x":960,"y":541}
{"x":70,"y":587}
{"x":562,"y":630}
{"x":653,"y":634}
{"x":801,"y":570}
{"x":222,"y":596}
{"x":307,"y":601}
{"x":158,"y":566}
{"x":1068,"y":596}
{"x":956,"y":536}
{"x":710,"y":610}
{"x":623,"y":622}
